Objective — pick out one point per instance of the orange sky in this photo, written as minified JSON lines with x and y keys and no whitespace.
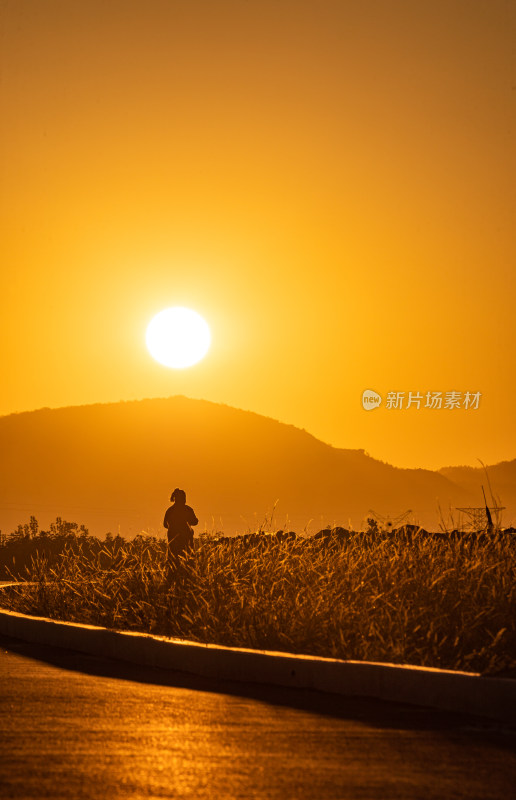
{"x":331,"y":184}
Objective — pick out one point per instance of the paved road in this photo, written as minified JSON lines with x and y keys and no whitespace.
{"x":77,"y":726}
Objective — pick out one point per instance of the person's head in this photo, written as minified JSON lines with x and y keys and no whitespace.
{"x":178,"y":496}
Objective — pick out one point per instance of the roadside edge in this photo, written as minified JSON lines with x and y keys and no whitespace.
{"x":446,"y":690}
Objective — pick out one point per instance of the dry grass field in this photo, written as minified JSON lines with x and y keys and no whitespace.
{"x":426,"y":600}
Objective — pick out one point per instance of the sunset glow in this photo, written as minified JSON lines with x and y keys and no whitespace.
{"x":331,"y":185}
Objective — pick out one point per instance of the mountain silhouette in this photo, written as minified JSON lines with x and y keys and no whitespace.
{"x":113,"y":466}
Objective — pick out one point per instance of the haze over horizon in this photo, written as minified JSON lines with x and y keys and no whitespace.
{"x":330,"y":185}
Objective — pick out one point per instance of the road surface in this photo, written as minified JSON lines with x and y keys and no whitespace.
{"x":78,"y":726}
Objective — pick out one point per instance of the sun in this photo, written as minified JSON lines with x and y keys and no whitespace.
{"x":178,"y":337}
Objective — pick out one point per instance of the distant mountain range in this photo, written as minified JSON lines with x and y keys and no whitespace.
{"x":113,"y":466}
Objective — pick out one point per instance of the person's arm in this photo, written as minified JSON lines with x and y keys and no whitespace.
{"x":193,"y":519}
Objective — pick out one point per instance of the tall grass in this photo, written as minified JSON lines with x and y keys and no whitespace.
{"x":448,"y":603}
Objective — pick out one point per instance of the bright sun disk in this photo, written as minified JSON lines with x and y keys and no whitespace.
{"x":178,"y":337}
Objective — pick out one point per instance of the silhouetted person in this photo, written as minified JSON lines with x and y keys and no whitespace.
{"x":179,"y":519}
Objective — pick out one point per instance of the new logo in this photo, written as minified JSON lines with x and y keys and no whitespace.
{"x":370,"y":399}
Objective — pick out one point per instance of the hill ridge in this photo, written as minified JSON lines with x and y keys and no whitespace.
{"x":119,"y":461}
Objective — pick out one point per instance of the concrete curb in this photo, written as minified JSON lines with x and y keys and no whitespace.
{"x":441,"y":689}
